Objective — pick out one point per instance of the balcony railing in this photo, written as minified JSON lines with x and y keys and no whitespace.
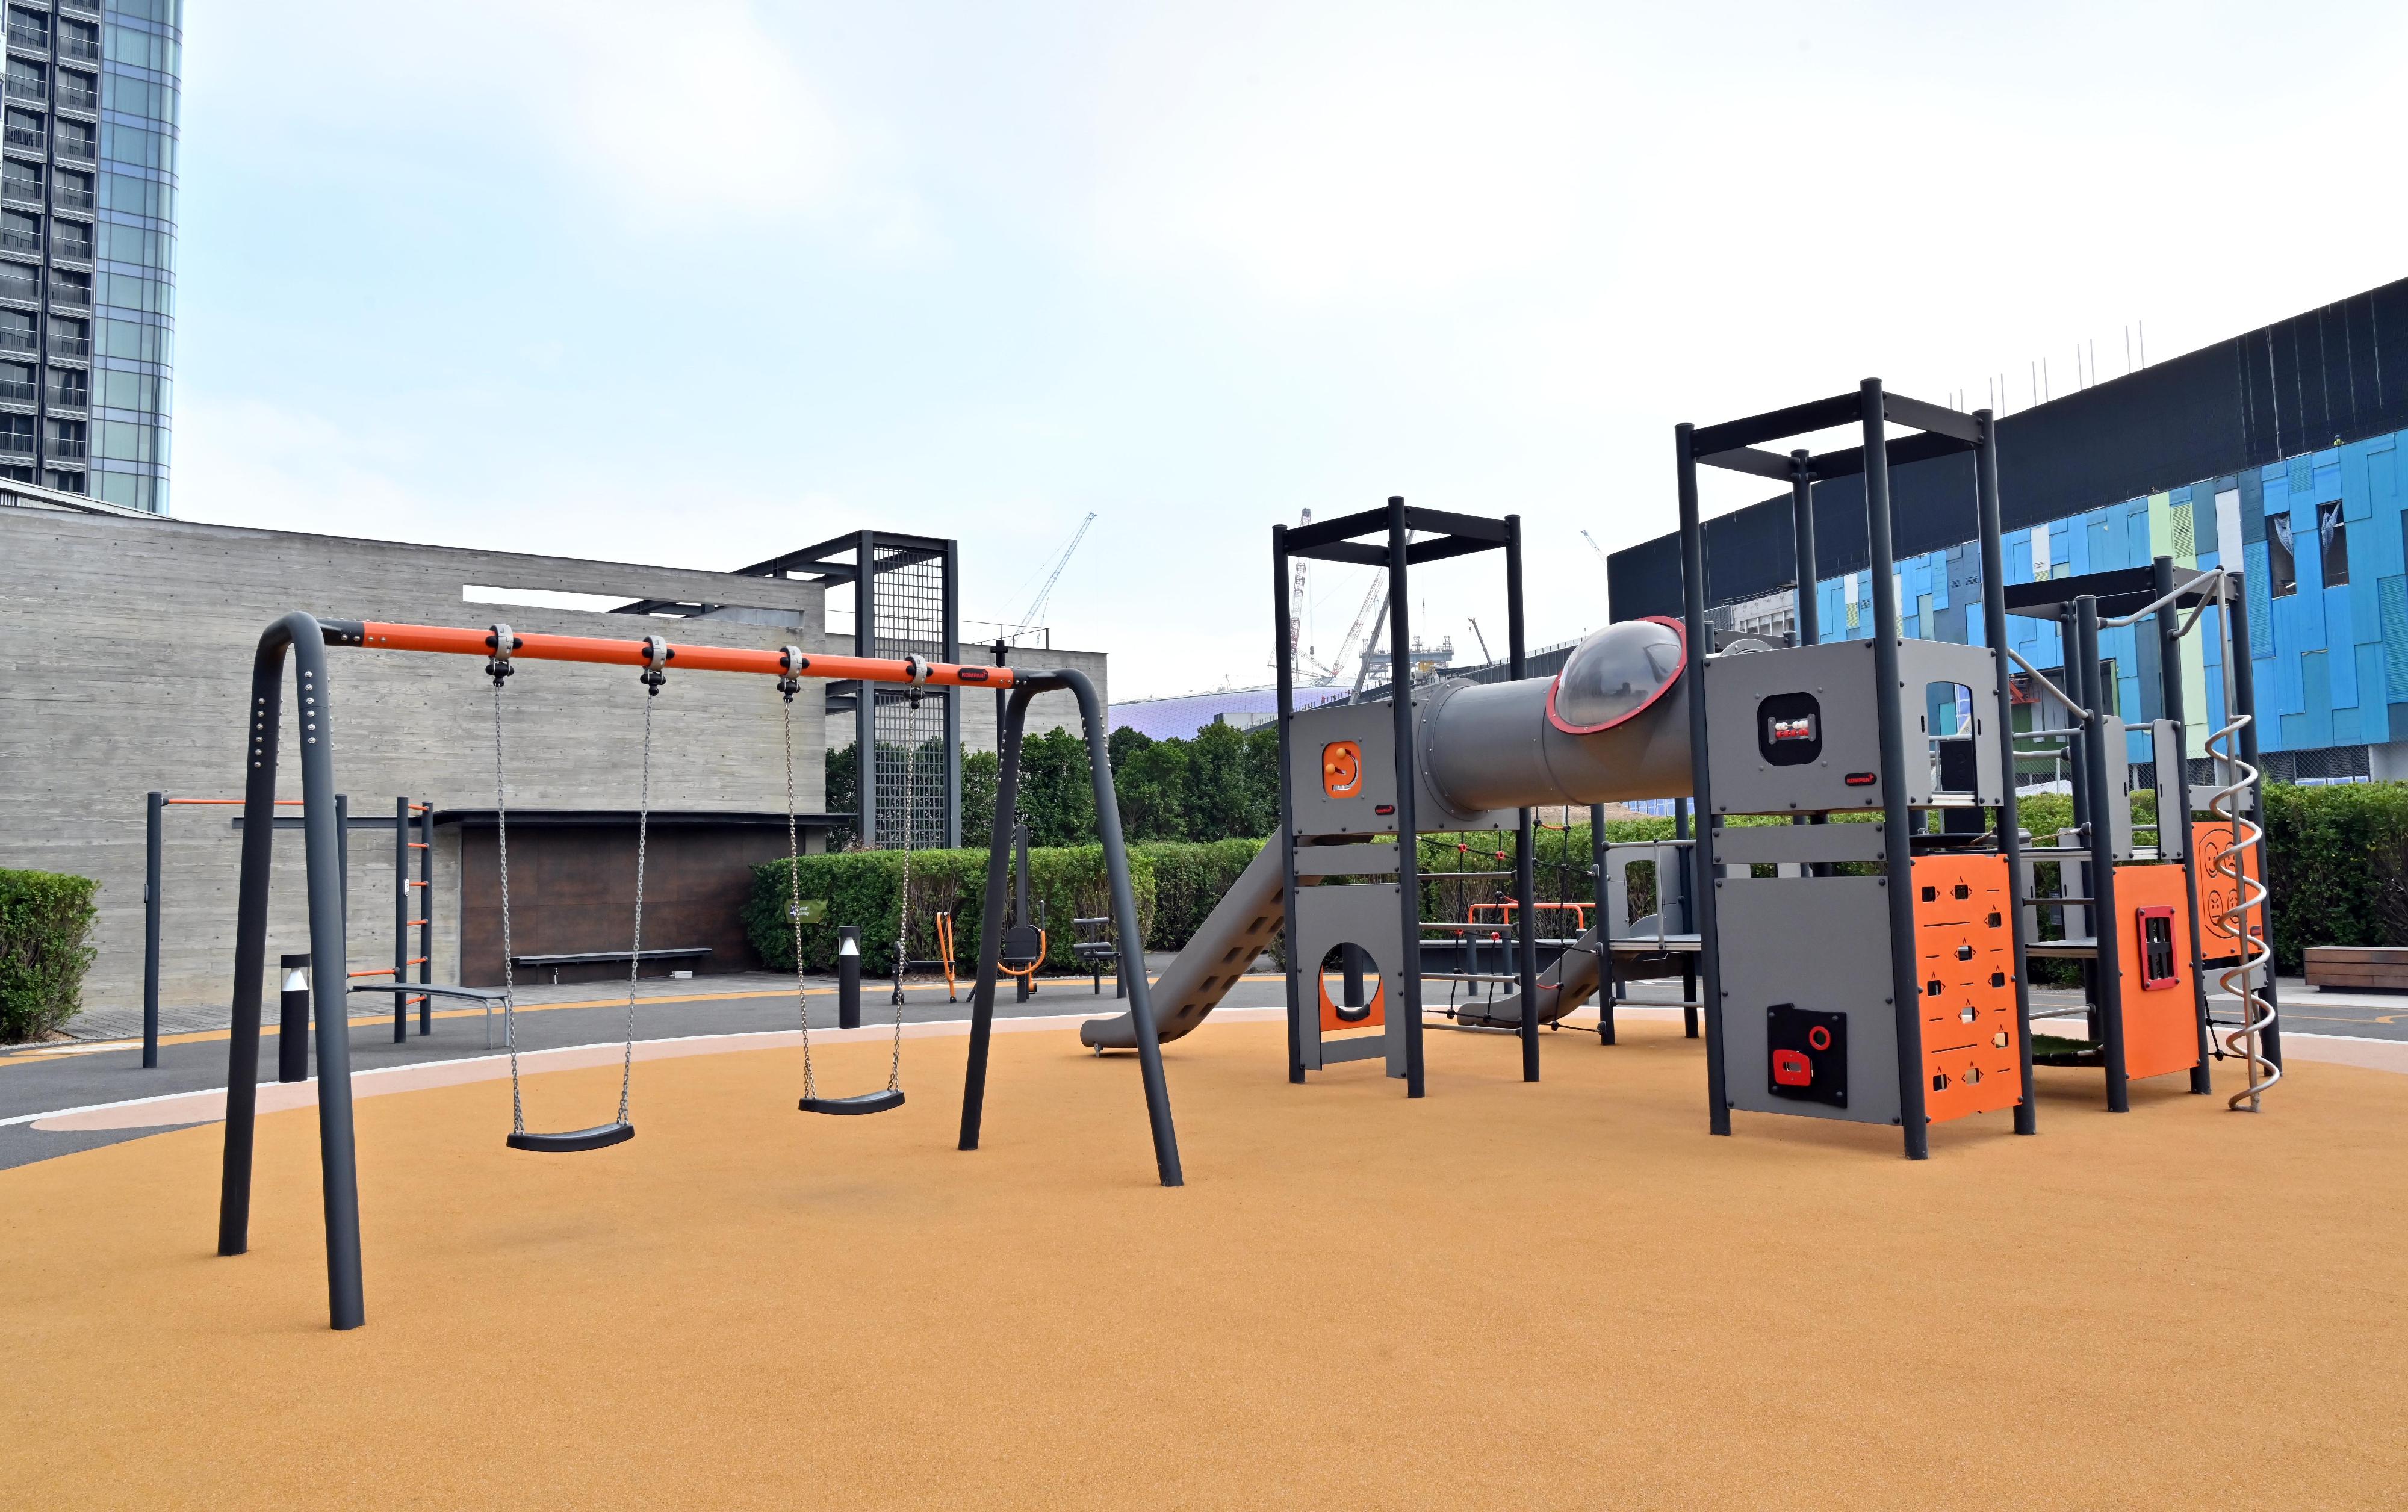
{"x":12,"y":441}
{"x":17,"y":391}
{"x":28,"y":89}
{"x":28,"y":36}
{"x":18,"y":341}
{"x":78,"y":147}
{"x":93,"y":5}
{"x":64,"y":447}
{"x":31,"y":138}
{"x":21,"y":241}
{"x":70,"y":199}
{"x":23,"y":189}
{"x":78,"y":347}
{"x":73,"y":250}
{"x":62,"y":293}
{"x":71,"y":98}
{"x":72,"y":46}
{"x":69,"y":399}
{"x":20,"y":289}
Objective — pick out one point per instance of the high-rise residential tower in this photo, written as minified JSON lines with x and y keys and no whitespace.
{"x":87,"y":245}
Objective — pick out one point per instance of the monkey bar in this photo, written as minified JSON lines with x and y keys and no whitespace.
{"x":307,"y":638}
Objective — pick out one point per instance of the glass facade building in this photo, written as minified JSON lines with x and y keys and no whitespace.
{"x":88,"y":246}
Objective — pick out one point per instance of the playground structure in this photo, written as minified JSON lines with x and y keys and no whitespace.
{"x":307,"y":639}
{"x":413,"y":851}
{"x":1860,"y":953}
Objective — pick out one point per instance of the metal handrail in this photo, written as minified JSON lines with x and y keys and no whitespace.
{"x":2060,"y":694}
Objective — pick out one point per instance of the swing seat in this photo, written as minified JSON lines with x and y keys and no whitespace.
{"x":599,"y":1137}
{"x":878,"y":1101}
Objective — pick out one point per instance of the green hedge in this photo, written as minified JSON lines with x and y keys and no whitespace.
{"x":2337,"y":866}
{"x":45,"y":926}
{"x":864,"y":887}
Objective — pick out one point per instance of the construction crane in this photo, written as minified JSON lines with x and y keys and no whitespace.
{"x":1044,"y":594}
{"x":1598,"y":550}
{"x":1372,"y":595}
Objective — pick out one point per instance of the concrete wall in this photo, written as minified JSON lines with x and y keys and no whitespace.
{"x":129,"y":644}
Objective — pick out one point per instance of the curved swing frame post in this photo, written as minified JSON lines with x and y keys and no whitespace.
{"x":306,"y":638}
{"x":1131,"y":937}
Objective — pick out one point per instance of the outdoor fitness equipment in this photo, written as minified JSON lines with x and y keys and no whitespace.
{"x":792,"y":660}
{"x":307,"y":639}
{"x":619,"y":1131}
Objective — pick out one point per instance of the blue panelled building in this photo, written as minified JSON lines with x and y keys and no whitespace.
{"x":2278,"y":451}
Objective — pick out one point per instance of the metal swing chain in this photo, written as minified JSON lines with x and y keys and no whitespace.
{"x":903,"y":914}
{"x":795,"y":891}
{"x":502,"y":833}
{"x":651,"y":681}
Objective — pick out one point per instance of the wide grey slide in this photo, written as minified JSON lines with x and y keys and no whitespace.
{"x":1239,"y":929}
{"x":1562,"y":987}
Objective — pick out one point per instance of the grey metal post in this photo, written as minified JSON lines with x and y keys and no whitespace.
{"x":2106,"y":923}
{"x":155,"y":806}
{"x":1701,"y":898}
{"x":292,"y":1020}
{"x":2011,"y":845}
{"x":401,"y":919}
{"x":2245,"y":692}
{"x":865,"y":709}
{"x":2174,"y":797}
{"x":342,"y":847}
{"x":1906,"y":985}
{"x":1801,"y":534}
{"x":952,"y":696}
{"x":1408,"y":877}
{"x":1605,"y":971}
{"x":1525,"y":865}
{"x":426,"y":914}
{"x":1283,"y":663}
{"x":989,"y":936}
{"x":848,"y":976}
{"x":1684,"y":875}
{"x":323,"y":845}
{"x":1027,"y":980}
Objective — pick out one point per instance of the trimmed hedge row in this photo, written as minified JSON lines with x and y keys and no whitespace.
{"x":46,"y":922}
{"x":2337,"y":866}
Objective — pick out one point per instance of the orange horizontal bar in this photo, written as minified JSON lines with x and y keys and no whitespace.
{"x":459,"y":641}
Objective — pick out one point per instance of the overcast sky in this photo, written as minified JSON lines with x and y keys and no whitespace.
{"x":695,"y":283}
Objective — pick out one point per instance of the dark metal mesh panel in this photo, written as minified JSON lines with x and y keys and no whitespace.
{"x":909,"y":616}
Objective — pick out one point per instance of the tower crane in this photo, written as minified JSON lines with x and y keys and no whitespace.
{"x":1045,"y":594}
{"x":1598,"y":550}
{"x":1296,"y":604}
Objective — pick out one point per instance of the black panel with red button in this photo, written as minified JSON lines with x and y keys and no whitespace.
{"x":1809,"y":1054}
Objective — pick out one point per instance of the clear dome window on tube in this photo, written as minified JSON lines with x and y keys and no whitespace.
{"x":1616,"y":674}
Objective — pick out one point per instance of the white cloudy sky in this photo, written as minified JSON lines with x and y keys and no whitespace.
{"x":693,"y":283}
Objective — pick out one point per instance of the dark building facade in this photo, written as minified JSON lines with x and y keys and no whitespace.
{"x":2275,"y":451}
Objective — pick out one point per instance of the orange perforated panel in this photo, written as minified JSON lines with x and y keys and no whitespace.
{"x":1962,"y":912}
{"x":2209,"y":841}
{"x":2160,"y":1028}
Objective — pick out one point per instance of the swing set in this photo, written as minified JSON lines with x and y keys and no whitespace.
{"x":306,"y":638}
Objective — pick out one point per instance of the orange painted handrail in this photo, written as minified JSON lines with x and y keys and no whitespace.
{"x":457,"y":640}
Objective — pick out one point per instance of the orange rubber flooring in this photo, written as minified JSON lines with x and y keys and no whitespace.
{"x":1552,"y":1296}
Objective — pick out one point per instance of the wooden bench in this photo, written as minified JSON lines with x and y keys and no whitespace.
{"x":695,"y":953}
{"x":2358,"y":968}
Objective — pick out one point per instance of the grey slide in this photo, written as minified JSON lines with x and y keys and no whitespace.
{"x":1239,"y":929}
{"x":1562,"y":987}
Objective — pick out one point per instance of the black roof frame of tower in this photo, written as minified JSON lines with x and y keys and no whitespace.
{"x":2119,"y":591}
{"x":812,"y":563}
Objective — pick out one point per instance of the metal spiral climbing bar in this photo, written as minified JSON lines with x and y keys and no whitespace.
{"x":2246,"y":1040}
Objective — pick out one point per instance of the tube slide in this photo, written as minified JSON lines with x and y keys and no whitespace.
{"x":1612,"y":725}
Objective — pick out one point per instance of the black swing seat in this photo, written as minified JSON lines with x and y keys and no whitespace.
{"x":878,"y":1101}
{"x":599,"y":1137}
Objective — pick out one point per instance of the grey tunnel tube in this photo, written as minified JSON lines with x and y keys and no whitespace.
{"x":1482,"y":747}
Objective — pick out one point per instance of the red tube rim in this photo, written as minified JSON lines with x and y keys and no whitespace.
{"x":1651,"y":700}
